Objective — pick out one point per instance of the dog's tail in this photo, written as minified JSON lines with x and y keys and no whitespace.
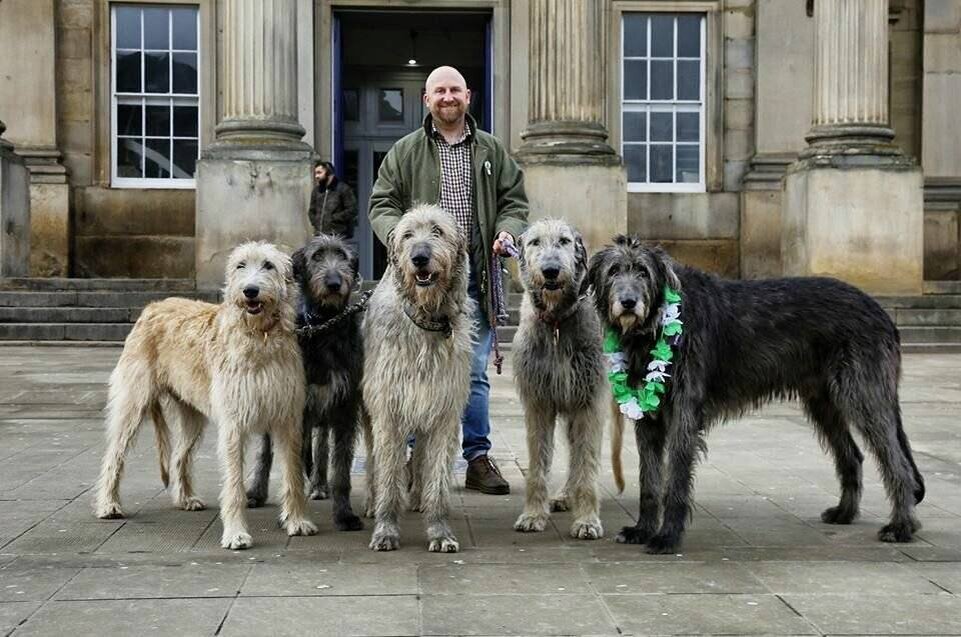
{"x":906,"y":448}
{"x":163,"y":440}
{"x":617,"y":441}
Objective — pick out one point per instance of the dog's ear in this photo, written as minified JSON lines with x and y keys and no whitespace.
{"x":670,"y":269}
{"x":299,"y":263}
{"x":519,"y":244}
{"x":595,"y":267}
{"x":580,"y":261}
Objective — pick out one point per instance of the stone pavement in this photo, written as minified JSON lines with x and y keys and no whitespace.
{"x":756,"y":559}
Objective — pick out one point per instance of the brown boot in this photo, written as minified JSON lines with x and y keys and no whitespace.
{"x":484,"y":476}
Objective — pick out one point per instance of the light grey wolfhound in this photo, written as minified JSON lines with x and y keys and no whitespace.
{"x":418,"y":336}
{"x":237,"y":364}
{"x":559,"y":371}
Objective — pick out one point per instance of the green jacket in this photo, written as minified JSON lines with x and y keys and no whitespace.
{"x":410,"y":173}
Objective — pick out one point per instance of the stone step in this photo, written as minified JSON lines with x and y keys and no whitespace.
{"x":64,"y":331}
{"x":69,"y":314}
{"x":63,"y":284}
{"x":506,"y":334}
{"x":927,"y":301}
{"x":942,"y":287}
{"x":930,"y":334}
{"x":94,"y":298}
{"x":905,"y":317}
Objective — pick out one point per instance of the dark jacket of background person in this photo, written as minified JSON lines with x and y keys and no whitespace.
{"x":333,"y":209}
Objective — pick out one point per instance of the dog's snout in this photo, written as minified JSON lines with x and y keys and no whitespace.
{"x":420,"y":256}
{"x":550,"y":272}
{"x":629,"y":303}
{"x":251,"y":291}
{"x":333,"y":282}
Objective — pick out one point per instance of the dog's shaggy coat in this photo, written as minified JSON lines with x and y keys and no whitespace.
{"x":745,"y":343}
{"x":559,"y":371}
{"x":326,"y":269}
{"x":418,"y":334}
{"x":237,"y":364}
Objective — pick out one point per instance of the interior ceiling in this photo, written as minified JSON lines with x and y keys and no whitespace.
{"x":420,"y":21}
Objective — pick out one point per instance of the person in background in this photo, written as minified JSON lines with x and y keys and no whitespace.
{"x":333,"y":206}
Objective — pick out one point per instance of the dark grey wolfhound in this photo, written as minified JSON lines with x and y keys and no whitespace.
{"x":326,"y":271}
{"x":745,"y":343}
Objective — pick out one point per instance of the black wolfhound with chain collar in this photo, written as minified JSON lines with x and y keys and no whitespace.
{"x":745,"y":343}
{"x":326,"y":269}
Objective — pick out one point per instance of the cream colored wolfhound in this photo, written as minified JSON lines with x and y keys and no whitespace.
{"x":417,"y":357}
{"x":237,"y":364}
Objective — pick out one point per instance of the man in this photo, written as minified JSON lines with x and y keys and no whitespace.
{"x":469,"y":173}
{"x":333,"y":207}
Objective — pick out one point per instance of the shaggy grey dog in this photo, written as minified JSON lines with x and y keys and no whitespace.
{"x":559,"y":371}
{"x":417,"y":358}
{"x":745,"y":343}
{"x":326,"y":271}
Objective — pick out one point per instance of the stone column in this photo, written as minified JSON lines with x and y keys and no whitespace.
{"x":571,"y":169}
{"x":14,"y":212}
{"x":254,"y":181}
{"x":852,"y":202}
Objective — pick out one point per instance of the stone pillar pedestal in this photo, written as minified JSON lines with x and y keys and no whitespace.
{"x":14,"y":212}
{"x":571,"y":171}
{"x":853,"y":204}
{"x":254,"y":182}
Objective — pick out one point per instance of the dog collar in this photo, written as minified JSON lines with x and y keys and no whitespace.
{"x":309,"y":328}
{"x":554,"y":321}
{"x":441,"y":325}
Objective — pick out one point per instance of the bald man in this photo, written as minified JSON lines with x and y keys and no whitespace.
{"x":450,"y":162}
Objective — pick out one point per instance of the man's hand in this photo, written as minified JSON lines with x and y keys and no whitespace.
{"x":502,"y":240}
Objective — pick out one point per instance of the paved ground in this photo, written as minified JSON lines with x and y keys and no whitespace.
{"x":756,"y":559}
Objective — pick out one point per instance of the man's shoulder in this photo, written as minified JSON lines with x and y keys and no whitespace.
{"x":410,"y":140}
{"x":486,"y":139}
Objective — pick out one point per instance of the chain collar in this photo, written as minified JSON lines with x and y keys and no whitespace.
{"x":442,"y":325}
{"x":310,"y":330}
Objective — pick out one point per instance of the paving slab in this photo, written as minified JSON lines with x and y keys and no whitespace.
{"x":515,"y":615}
{"x":937,"y":614}
{"x":135,"y":581}
{"x":296,"y":616}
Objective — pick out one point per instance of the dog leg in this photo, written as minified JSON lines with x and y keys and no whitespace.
{"x":319,"y":489}
{"x":436,"y":471}
{"x":257,"y":493}
{"x":540,"y":451}
{"x":584,"y":434}
{"x":650,"y":447}
{"x":415,"y":476}
{"x":834,"y":434}
{"x":684,"y":442}
{"x":390,"y":450}
{"x":293,"y":500}
{"x":233,"y":500}
{"x":191,"y":427}
{"x":344,"y":518}
{"x":370,"y":482}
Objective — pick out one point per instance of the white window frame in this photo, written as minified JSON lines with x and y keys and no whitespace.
{"x":171,"y":98}
{"x":673,"y":106}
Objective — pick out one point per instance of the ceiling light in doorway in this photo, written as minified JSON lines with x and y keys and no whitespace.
{"x":412,"y":61}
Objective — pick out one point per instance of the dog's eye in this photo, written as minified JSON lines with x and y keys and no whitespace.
{"x":407,"y":236}
{"x":613,"y":270}
{"x":268,"y":265}
{"x":241,"y":265}
{"x":436,"y":231}
{"x":565,"y":241}
{"x":318,"y":256}
{"x":534,"y":242}
{"x":645,"y":274}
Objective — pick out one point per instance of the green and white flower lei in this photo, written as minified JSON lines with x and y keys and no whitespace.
{"x":635,"y":402}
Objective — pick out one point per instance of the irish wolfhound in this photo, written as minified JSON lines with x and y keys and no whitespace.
{"x":238,"y":364}
{"x":744,"y":343}
{"x":559,"y":371}
{"x":417,"y":357}
{"x":326,"y":271}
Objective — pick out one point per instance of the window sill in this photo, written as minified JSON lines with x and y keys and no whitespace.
{"x":666,"y":188}
{"x":154,"y":184}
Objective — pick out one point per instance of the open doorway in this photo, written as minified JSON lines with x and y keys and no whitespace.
{"x":381,"y":60}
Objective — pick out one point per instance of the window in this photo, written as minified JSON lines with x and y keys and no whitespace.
{"x":662,"y":101}
{"x":155,"y":96}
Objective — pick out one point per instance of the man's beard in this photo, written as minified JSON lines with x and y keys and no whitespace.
{"x":450,"y":114}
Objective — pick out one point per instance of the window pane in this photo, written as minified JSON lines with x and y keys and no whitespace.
{"x":662,"y":127}
{"x":128,"y":28}
{"x":635,"y":79}
{"x":688,"y":80}
{"x":687,"y":163}
{"x":662,"y":36}
{"x":129,"y":119}
{"x":688,"y":127}
{"x":129,"y":159}
{"x":635,"y":159}
{"x":156,"y":29}
{"x":184,"y":28}
{"x":185,"y":73}
{"x":351,"y":105}
{"x":128,"y":72}
{"x":185,"y":158}
{"x":391,"y":105}
{"x":158,"y":120}
{"x":662,"y":80}
{"x":185,"y":122}
{"x":689,"y":36}
{"x":635,"y":126}
{"x":157,"y":158}
{"x":635,"y":35}
{"x":662,"y":163}
{"x":157,"y":71}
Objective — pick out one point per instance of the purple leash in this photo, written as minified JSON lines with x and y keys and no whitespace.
{"x":499,"y":314}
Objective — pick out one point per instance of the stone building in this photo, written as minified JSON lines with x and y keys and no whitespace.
{"x":749,"y":137}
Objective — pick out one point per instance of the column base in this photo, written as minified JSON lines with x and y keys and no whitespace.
{"x":49,"y":212}
{"x":254,"y":194}
{"x":567,"y":142}
{"x":592,"y":198}
{"x":862,"y":222}
{"x":14,"y":213}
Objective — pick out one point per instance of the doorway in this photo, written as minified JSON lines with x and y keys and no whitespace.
{"x":379,"y":92}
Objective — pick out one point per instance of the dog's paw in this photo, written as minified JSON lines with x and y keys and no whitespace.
{"x":632,"y":535}
{"x":898,"y":532}
{"x":839,"y":515}
{"x":348,"y":522}
{"x":109,"y":511}
{"x":531,"y":522}
{"x":302,"y":526}
{"x":559,"y":504}
{"x":589,"y":529}
{"x":320,"y":493}
{"x":236,"y":541}
{"x":447,"y":544}
{"x":256,"y":499}
{"x":370,"y":511}
{"x":662,"y":543}
{"x":385,"y":541}
{"x":192,"y":503}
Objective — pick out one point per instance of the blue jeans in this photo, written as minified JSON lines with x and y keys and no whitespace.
{"x":476,"y":422}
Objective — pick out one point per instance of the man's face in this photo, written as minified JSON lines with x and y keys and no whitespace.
{"x":447,"y":98}
{"x":320,"y":175}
